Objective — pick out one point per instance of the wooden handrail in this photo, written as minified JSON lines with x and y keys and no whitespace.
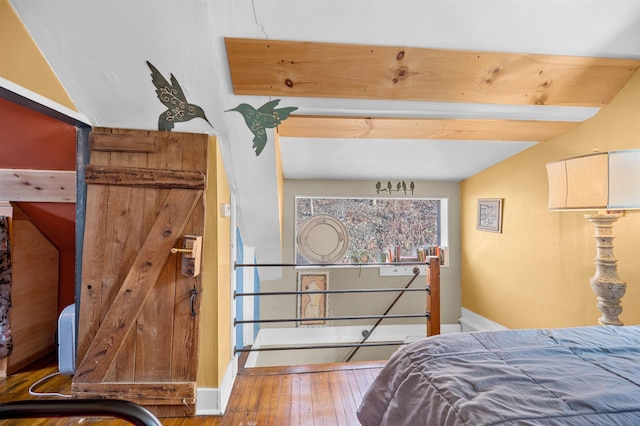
{"x":433,"y":297}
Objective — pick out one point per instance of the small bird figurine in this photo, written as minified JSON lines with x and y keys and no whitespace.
{"x":265,"y":117}
{"x":172,"y":96}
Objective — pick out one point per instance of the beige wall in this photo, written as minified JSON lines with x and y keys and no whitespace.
{"x":536,"y":272}
{"x":21,"y":61}
{"x":365,"y":277}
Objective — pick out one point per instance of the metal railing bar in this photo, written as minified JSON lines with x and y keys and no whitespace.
{"x":326,"y":265}
{"x":331,"y":346}
{"x":361,"y":317}
{"x":363,"y":290}
{"x":125,"y":410}
{"x":366,"y":334}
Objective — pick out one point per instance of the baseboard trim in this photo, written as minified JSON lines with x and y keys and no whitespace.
{"x":213,"y":401}
{"x":208,"y":402}
{"x":470,"y":321}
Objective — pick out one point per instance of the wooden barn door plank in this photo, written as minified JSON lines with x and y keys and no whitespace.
{"x":157,"y":319}
{"x":124,"y":240}
{"x":92,"y":271}
{"x":139,"y":282}
{"x":184,"y":360}
{"x":138,"y":339}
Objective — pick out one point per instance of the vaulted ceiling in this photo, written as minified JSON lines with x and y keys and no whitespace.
{"x":384,"y":89}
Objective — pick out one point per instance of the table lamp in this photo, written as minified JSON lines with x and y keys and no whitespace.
{"x":608,"y":182}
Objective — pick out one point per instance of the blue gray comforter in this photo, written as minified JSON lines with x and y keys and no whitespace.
{"x":570,"y":376}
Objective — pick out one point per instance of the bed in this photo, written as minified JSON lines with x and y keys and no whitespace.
{"x":566,"y":376}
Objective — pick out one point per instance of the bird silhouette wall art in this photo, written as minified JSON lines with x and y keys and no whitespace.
{"x":265,"y":117}
{"x":172,"y":97}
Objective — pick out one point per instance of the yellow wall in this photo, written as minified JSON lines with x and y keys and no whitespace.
{"x":536,"y":272}
{"x":21,"y":61}
{"x":214,"y":352}
{"x":223,"y":302}
{"x":280,"y":179}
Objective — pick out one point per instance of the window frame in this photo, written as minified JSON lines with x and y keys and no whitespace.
{"x":442,"y":226}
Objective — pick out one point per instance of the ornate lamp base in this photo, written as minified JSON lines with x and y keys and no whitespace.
{"x":605,"y":283}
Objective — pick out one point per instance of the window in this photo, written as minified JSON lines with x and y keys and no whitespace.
{"x":382,"y":229}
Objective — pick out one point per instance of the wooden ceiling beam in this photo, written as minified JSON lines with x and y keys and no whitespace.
{"x":304,"y":126}
{"x":309,"y":69}
{"x":38,"y":185}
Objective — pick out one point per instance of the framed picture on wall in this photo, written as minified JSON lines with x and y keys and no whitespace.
{"x":489,"y":214}
{"x":312,"y":303}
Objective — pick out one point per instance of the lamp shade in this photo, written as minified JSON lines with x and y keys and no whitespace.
{"x":599,"y":181}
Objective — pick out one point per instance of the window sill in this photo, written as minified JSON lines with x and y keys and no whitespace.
{"x":399,"y":270}
{"x":385,"y":270}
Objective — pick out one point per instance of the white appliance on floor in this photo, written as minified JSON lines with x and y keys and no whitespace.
{"x":67,"y":340}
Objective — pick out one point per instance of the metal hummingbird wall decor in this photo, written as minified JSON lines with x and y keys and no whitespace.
{"x":172,"y":97}
{"x":265,"y":117}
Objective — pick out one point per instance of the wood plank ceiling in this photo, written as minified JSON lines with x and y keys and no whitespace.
{"x":330,"y":70}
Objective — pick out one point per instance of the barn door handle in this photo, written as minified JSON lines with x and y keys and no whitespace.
{"x":184,"y":250}
{"x":191,"y":253}
{"x":194,"y":293}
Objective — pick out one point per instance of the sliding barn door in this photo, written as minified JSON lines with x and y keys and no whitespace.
{"x":138,"y":313}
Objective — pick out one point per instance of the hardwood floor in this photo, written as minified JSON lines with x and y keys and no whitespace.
{"x":327,"y":394}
